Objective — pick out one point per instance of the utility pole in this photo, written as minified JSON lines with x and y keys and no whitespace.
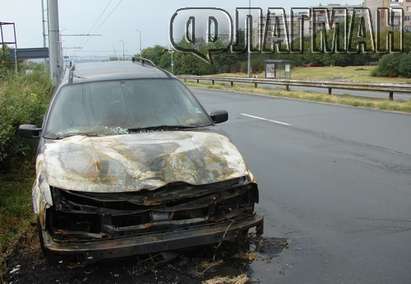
{"x":55,"y":53}
{"x":250,"y":26}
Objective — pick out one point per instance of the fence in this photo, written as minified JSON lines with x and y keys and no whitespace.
{"x":390,"y":89}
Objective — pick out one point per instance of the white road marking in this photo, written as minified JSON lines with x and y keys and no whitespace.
{"x":265,"y":119}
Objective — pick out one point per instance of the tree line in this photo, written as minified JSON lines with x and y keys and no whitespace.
{"x":227,"y":62}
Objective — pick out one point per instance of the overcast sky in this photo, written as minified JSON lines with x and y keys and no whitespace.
{"x":119,"y":22}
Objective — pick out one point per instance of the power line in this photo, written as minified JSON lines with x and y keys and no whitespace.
{"x":112,"y":12}
{"x":101,"y":23}
{"x":94,"y":25}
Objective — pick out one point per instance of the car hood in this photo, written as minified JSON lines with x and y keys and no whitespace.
{"x":139,"y":161}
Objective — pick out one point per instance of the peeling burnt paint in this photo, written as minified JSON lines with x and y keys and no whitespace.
{"x":140,"y":161}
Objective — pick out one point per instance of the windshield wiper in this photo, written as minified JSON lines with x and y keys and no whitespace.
{"x":162,"y":127}
{"x":60,"y":137}
{"x":130,"y":130}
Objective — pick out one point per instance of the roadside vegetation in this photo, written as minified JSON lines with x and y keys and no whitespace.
{"x":394,"y":65}
{"x":227,"y":62}
{"x":15,"y":208}
{"x":371,"y":103}
{"x":186,"y":63}
{"x":357,"y":74}
{"x":23,"y":99}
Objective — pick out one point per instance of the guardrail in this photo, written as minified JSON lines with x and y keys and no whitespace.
{"x":386,"y":88}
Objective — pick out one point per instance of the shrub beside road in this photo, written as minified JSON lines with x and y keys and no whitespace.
{"x":394,"y":65}
{"x":23,"y":99}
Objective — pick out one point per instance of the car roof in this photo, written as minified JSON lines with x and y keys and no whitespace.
{"x":113,"y":70}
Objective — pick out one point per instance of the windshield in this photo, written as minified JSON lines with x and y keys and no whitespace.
{"x":118,"y":107}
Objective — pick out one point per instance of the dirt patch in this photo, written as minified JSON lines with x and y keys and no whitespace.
{"x":230,"y":263}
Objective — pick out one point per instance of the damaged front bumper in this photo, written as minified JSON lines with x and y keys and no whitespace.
{"x":156,"y":242}
{"x":100,"y":225}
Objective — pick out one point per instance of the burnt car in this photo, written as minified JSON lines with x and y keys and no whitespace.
{"x":129,"y":163}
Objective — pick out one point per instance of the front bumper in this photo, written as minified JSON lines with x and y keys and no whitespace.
{"x":155,"y":242}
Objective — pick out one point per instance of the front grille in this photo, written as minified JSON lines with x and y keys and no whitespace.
{"x":110,"y":215}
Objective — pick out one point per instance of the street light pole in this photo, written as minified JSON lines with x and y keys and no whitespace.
{"x":172,"y":61}
{"x":140,"y":36}
{"x":43,"y":21}
{"x":124,"y":55}
{"x":250,"y":25}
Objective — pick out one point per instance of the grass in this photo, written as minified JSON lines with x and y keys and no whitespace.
{"x":15,"y":208}
{"x":358,"y":74}
{"x":346,"y":74}
{"x":380,"y":104}
{"x":23,"y":99}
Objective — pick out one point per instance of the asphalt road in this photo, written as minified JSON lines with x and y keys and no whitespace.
{"x":335,"y":181}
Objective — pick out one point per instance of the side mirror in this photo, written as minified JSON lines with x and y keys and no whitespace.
{"x":219,"y":116}
{"x":29,"y":131}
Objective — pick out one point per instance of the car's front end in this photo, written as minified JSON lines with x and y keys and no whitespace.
{"x":141,"y":193}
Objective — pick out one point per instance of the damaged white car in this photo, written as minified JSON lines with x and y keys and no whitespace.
{"x":128,"y":163}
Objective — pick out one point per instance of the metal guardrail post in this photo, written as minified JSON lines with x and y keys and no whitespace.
{"x":255,"y":85}
{"x":232,"y":83}
{"x":391,"y":96}
{"x":212,"y":82}
{"x":287,"y":87}
{"x":198,"y":81}
{"x":330,"y":91}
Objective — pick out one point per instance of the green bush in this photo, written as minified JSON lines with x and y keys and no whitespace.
{"x":4,"y":64}
{"x":388,"y":65}
{"x":405,"y":66}
{"x":23,"y":99}
{"x":394,"y":65}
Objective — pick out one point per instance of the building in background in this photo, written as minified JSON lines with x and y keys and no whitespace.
{"x":373,"y":5}
{"x":406,"y":5}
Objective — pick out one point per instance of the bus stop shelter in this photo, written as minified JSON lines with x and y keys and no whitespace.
{"x":277,"y":69}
